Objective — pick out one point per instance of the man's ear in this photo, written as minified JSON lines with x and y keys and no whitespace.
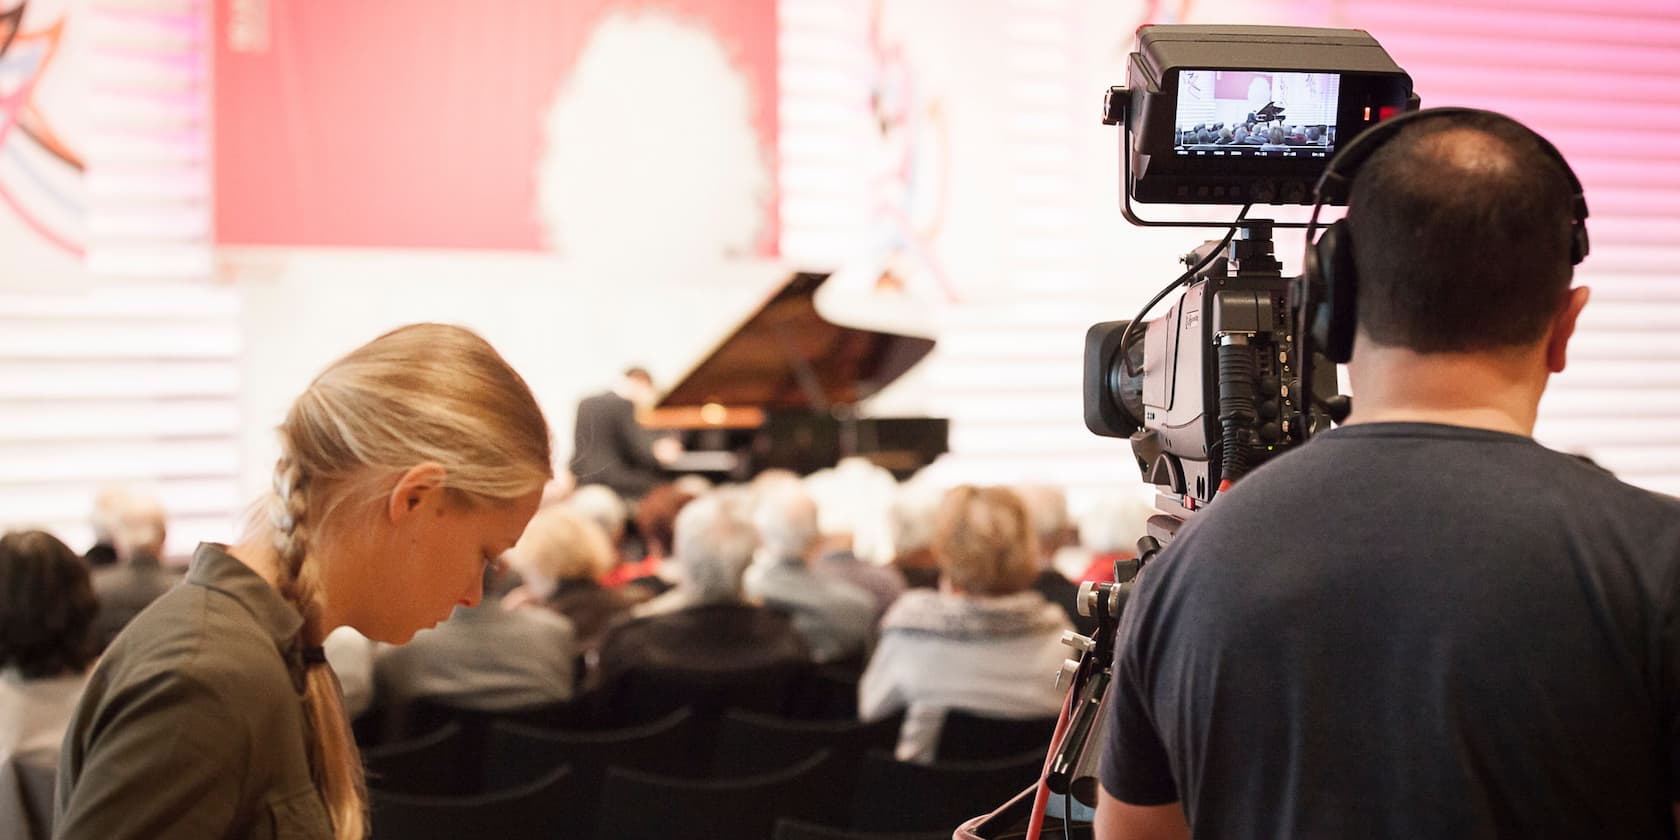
{"x":417,"y":489}
{"x":1563,"y":328}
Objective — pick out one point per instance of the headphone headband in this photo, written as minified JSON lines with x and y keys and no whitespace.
{"x":1336,"y":183}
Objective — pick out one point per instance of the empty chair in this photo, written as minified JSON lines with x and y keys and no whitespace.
{"x":789,"y":829}
{"x":749,"y":743}
{"x":639,"y":806}
{"x":896,"y":795}
{"x":428,"y":765}
{"x":516,"y":753}
{"x":546,"y":807}
{"x":970,"y":736}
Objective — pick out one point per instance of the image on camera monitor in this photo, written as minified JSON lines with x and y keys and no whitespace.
{"x":1252,"y":113}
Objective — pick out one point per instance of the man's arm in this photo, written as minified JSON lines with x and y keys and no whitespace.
{"x":1118,"y":820}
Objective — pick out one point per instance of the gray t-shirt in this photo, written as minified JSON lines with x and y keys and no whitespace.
{"x":192,"y":725}
{"x":1409,"y":630}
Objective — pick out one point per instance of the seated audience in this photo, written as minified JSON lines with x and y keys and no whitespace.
{"x":910,"y":519}
{"x":561,"y":557}
{"x":488,"y":657}
{"x":1047,"y":506}
{"x":836,"y":618}
{"x":46,"y":618}
{"x":139,"y":529}
{"x":705,"y":621}
{"x":985,"y":641}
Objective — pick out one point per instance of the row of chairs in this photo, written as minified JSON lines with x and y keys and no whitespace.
{"x":753,"y":766}
{"x":887,"y":796}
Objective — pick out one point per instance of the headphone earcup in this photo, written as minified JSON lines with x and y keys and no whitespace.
{"x":1336,"y":319}
{"x":1579,"y":245}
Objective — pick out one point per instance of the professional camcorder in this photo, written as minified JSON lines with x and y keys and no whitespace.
{"x":1237,"y":370}
{"x":1229,"y":115}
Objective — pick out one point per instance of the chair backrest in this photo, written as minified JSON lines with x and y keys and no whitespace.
{"x":893,"y":795}
{"x":516,"y":753}
{"x":430,"y":764}
{"x":826,"y":692}
{"x":640,"y":806}
{"x":750,"y":743}
{"x":972,"y":736}
{"x":545,"y":807}
{"x":789,"y":829}
{"x":648,"y":693}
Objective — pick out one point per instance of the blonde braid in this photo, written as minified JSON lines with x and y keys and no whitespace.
{"x":333,"y":753}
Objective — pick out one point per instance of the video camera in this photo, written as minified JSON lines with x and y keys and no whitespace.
{"x":1228,"y":378}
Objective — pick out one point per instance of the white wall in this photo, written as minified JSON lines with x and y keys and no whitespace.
{"x":569,"y":329}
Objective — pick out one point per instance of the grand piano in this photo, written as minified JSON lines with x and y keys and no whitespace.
{"x":782,"y":391}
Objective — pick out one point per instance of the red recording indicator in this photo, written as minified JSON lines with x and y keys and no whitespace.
{"x":1386,"y":112}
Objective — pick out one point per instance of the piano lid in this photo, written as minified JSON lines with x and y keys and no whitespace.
{"x":788,"y":356}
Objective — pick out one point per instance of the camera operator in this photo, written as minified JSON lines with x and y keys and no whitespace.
{"x":1421,"y":624}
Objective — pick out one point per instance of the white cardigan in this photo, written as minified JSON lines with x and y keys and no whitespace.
{"x":992,"y":655}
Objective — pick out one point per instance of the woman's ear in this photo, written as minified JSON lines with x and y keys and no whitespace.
{"x":418,"y":489}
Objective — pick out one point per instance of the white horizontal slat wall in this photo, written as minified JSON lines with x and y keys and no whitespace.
{"x":1601,"y":80}
{"x":132,"y":377}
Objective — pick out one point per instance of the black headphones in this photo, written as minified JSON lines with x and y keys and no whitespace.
{"x":1328,"y":286}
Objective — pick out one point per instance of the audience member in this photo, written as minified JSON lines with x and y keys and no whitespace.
{"x":103,"y":519}
{"x":705,"y":621}
{"x":405,"y":467}
{"x":600,"y":504}
{"x":1047,"y":505}
{"x":486,"y":657}
{"x":985,"y":641}
{"x":835,"y":617}
{"x":46,"y":615}
{"x":562,"y":556}
{"x":123,"y":590}
{"x":911,"y":519}
{"x":1111,"y":528}
{"x":656,"y":514}
{"x":852,"y":500}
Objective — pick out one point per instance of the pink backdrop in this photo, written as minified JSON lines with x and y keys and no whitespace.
{"x":371,"y":124}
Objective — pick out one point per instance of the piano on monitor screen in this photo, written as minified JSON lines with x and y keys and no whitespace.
{"x":782,"y":391}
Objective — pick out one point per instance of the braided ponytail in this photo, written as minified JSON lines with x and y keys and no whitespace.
{"x":333,"y":752}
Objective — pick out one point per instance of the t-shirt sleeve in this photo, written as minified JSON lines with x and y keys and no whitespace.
{"x":165,"y":758}
{"x":1134,"y":767}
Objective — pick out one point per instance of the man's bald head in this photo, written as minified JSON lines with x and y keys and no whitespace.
{"x":1460,"y":231}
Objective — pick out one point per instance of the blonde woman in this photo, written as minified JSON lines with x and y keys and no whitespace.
{"x":985,"y":641}
{"x":405,"y":468}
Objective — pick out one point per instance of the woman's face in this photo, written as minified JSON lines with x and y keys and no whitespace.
{"x":431,"y":558}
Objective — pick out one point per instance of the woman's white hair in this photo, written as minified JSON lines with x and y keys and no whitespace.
{"x":601,"y":505}
{"x":714,"y":541}
{"x":786,"y":519}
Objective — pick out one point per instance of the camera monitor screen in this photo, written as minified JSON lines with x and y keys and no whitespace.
{"x":1251,"y":113}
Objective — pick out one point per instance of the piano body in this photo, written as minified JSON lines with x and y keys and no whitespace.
{"x":781,"y":391}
